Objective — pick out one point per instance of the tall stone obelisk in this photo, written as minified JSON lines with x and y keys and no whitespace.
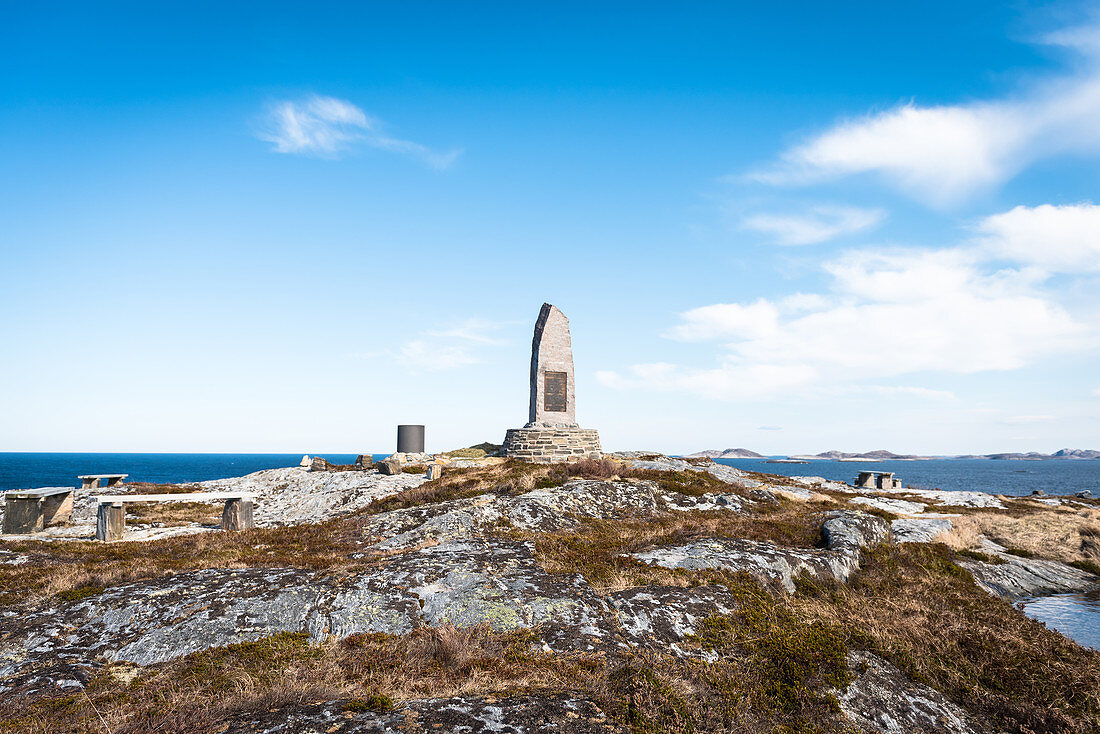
{"x":551,"y":433}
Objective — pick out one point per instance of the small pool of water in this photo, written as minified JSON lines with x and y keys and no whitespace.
{"x":1077,"y":616}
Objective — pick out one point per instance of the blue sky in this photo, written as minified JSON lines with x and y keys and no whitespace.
{"x":796,"y":227}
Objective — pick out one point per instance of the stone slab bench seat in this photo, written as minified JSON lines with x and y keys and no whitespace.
{"x":111,"y":515}
{"x":32,"y":510}
{"x":96,"y":481}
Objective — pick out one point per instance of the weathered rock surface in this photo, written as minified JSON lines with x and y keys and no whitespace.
{"x":553,"y":508}
{"x":882,"y":699}
{"x":463,"y":583}
{"x":727,"y":474}
{"x":290,"y":496}
{"x":557,"y":714}
{"x":1018,"y":578}
{"x":844,"y":532}
{"x":920,"y":529}
{"x":663,"y":617}
{"x":898,"y":507}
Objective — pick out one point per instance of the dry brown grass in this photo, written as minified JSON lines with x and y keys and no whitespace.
{"x":201,"y":691}
{"x":57,"y":567}
{"x":913,"y":605}
{"x":598,"y":549}
{"x":1058,"y":533}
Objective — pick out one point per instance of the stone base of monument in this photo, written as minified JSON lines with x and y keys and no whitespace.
{"x":551,"y":445}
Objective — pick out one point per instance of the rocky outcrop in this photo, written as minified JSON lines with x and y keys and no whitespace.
{"x":882,"y":699}
{"x":464,"y":583}
{"x":922,"y":529}
{"x":1016,"y":578}
{"x":664,"y":617}
{"x":551,"y":508}
{"x":727,"y":474}
{"x":560,"y":714}
{"x":845,"y":534}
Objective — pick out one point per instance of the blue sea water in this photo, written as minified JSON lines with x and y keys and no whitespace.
{"x":1016,"y":478}
{"x":27,"y":470}
{"x":1012,"y":478}
{"x":1077,"y":616}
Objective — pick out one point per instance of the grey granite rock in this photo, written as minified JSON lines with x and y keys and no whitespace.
{"x":544,"y":714}
{"x":845,"y":534}
{"x":1018,"y":578}
{"x":882,"y":700}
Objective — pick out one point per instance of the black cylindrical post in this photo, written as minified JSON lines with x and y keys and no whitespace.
{"x":410,"y":439}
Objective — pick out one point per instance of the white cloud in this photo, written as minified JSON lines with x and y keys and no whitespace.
{"x":329,"y":127}
{"x":1096,"y":393}
{"x":910,"y":391}
{"x":888,"y":313}
{"x":726,"y":320}
{"x":819,"y":224}
{"x":419,"y":354}
{"x":436,"y":350}
{"x":474,"y":330}
{"x":941,"y":154}
{"x":769,"y":428}
{"x":1056,"y":238}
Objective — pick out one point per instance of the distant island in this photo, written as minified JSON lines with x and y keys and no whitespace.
{"x":726,"y":454}
{"x":884,"y":455}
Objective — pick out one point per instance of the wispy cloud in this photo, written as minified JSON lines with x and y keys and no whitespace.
{"x":940,"y":154}
{"x":887,"y":313}
{"x":769,"y":428}
{"x":473,"y":330}
{"x":422,"y":355}
{"x":818,"y":224}
{"x":442,"y":349}
{"x":1055,"y":238}
{"x":330,"y":127}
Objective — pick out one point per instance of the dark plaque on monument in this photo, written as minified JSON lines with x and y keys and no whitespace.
{"x":554,"y":393}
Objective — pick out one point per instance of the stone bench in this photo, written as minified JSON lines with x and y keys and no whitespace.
{"x":96,"y":481}
{"x":31,"y":510}
{"x":111,"y":516}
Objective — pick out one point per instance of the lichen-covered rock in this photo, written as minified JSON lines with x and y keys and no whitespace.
{"x":461,"y":582}
{"x":882,"y":700}
{"x":1018,"y":578}
{"x":898,"y":507}
{"x":663,"y":617}
{"x":727,"y":474}
{"x":950,"y":498}
{"x":552,"y":508}
{"x":920,"y":529}
{"x":844,"y":532}
{"x":545,"y":714}
{"x":823,"y":483}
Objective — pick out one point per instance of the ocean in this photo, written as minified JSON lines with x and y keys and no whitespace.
{"x":28,"y":470}
{"x":1015,"y":478}
{"x":1012,"y":478}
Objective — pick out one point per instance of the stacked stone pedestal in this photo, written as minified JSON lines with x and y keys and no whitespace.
{"x":551,"y":445}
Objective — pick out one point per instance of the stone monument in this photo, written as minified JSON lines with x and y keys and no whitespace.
{"x":551,"y":433}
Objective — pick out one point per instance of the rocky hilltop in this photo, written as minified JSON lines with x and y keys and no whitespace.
{"x":637,"y":593}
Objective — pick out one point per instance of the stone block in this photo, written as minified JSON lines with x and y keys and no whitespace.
{"x":110,"y":522}
{"x":364,"y":461}
{"x":318,"y":464}
{"x":390,"y":467}
{"x":22,"y":515}
{"x":57,"y":509}
{"x":435,"y":471}
{"x":237,"y":515}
